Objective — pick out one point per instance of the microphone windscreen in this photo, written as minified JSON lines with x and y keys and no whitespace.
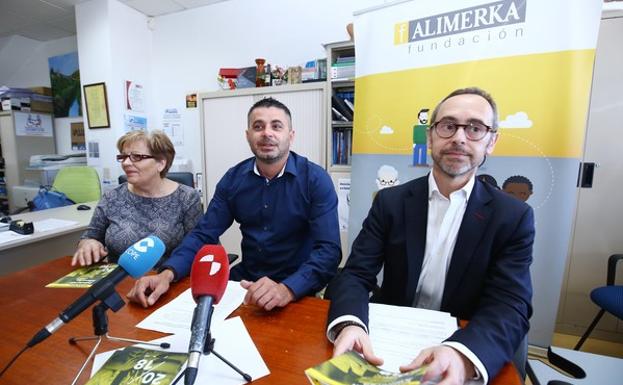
{"x":139,"y":258}
{"x":209,"y":273}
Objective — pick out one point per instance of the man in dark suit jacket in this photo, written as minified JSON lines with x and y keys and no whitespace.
{"x":447,"y":242}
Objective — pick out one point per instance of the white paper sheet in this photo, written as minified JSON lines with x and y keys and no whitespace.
{"x":10,"y":236}
{"x":233,"y":342}
{"x":52,"y":224}
{"x":176,"y":316}
{"x":399,"y":333}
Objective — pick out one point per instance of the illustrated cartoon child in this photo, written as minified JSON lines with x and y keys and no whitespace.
{"x":488,"y":179}
{"x":518,"y":186}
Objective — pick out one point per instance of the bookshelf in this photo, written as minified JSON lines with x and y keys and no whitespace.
{"x":341,"y":97}
{"x":340,"y":105}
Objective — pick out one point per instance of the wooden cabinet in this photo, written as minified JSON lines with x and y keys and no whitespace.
{"x":224,"y":121}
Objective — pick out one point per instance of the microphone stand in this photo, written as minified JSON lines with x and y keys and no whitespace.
{"x":209,"y":348}
{"x":100,"y":329}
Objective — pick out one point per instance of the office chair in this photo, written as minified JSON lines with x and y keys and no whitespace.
{"x":79,"y":183}
{"x":609,"y":298}
{"x":185,"y":178}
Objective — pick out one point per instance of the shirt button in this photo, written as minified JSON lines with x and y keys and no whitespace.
{"x":265,"y":205}
{"x":265,"y":228}
{"x":259,"y":249}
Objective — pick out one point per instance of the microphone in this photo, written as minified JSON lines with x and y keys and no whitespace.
{"x":137,"y":260}
{"x":208,"y":280}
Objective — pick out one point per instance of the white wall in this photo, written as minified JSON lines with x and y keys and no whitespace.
{"x":114,"y":45}
{"x":24,"y":63}
{"x":189,"y":48}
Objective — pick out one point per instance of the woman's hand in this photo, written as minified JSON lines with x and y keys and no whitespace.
{"x":89,"y":251}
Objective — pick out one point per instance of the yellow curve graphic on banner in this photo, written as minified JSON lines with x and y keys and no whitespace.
{"x":542,"y":101}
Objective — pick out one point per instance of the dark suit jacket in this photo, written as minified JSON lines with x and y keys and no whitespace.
{"x":488,"y":282}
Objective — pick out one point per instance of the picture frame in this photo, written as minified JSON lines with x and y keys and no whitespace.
{"x":96,"y":103}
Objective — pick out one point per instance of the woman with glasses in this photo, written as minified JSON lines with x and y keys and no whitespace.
{"x":148,"y":203}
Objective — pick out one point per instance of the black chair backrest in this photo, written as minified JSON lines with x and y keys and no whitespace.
{"x":185,"y":178}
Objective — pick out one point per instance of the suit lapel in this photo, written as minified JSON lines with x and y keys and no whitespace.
{"x":416,"y":216}
{"x":477,"y":216}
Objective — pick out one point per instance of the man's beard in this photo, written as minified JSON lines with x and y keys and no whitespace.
{"x":455,"y":169}
{"x":267,"y":157}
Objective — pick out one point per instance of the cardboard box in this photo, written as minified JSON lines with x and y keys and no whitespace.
{"x":47,"y":91}
{"x":39,"y":106}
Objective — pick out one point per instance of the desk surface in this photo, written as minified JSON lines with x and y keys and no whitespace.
{"x":290,"y":340}
{"x":68,"y":213}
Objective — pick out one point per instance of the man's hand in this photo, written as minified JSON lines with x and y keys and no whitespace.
{"x":266,"y":293}
{"x":444,"y":362}
{"x":89,"y":251}
{"x":355,"y":338}
{"x":147,"y":290}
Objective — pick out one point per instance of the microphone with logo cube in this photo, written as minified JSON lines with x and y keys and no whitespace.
{"x":137,"y":260}
{"x":208,"y":281}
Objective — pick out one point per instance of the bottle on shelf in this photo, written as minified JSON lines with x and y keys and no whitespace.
{"x":268,"y":76}
{"x":260,"y":75}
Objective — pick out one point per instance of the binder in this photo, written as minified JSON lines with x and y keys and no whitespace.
{"x":342,"y":108}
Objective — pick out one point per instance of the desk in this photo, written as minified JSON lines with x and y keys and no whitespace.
{"x":290,"y":340}
{"x":43,"y":246}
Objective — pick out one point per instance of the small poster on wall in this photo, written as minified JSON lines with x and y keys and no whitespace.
{"x":77,"y":136}
{"x":191,"y":101}
{"x":343,"y":202}
{"x":134,"y":122}
{"x":33,"y":124}
{"x":93,"y":154}
{"x":172,"y":126}
{"x":134,"y":96}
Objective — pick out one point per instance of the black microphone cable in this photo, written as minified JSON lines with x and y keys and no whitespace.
{"x":13,"y":360}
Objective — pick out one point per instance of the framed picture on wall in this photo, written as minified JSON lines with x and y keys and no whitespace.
{"x":96,"y":103}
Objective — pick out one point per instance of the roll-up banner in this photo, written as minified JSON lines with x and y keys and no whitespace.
{"x":535,"y":58}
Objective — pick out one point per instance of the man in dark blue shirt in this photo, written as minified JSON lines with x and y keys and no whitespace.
{"x":287,"y":210}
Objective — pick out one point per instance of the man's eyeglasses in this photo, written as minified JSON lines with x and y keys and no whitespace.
{"x":133,"y":157}
{"x":473,"y":130}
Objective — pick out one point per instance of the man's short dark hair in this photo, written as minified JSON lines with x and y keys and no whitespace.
{"x":267,"y":103}
{"x":517,"y":179}
{"x":471,"y":91}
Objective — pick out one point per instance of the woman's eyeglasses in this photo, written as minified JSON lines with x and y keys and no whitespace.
{"x":133,"y":157}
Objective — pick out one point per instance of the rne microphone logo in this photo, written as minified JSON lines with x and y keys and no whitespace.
{"x":216,"y":266}
{"x":144,"y":244}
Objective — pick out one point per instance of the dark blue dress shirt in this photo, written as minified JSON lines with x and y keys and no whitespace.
{"x":289,"y":225}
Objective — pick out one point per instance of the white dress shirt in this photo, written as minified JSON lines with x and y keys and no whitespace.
{"x":442,"y":227}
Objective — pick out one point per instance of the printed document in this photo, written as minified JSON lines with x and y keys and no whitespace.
{"x":176,"y":316}
{"x":399,"y":333}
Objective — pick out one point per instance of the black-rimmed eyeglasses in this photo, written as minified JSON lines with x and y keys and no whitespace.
{"x":474,"y":131}
{"x":133,"y":157}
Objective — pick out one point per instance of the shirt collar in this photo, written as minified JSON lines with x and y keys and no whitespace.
{"x":290,"y":167}
{"x":467,"y":189}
